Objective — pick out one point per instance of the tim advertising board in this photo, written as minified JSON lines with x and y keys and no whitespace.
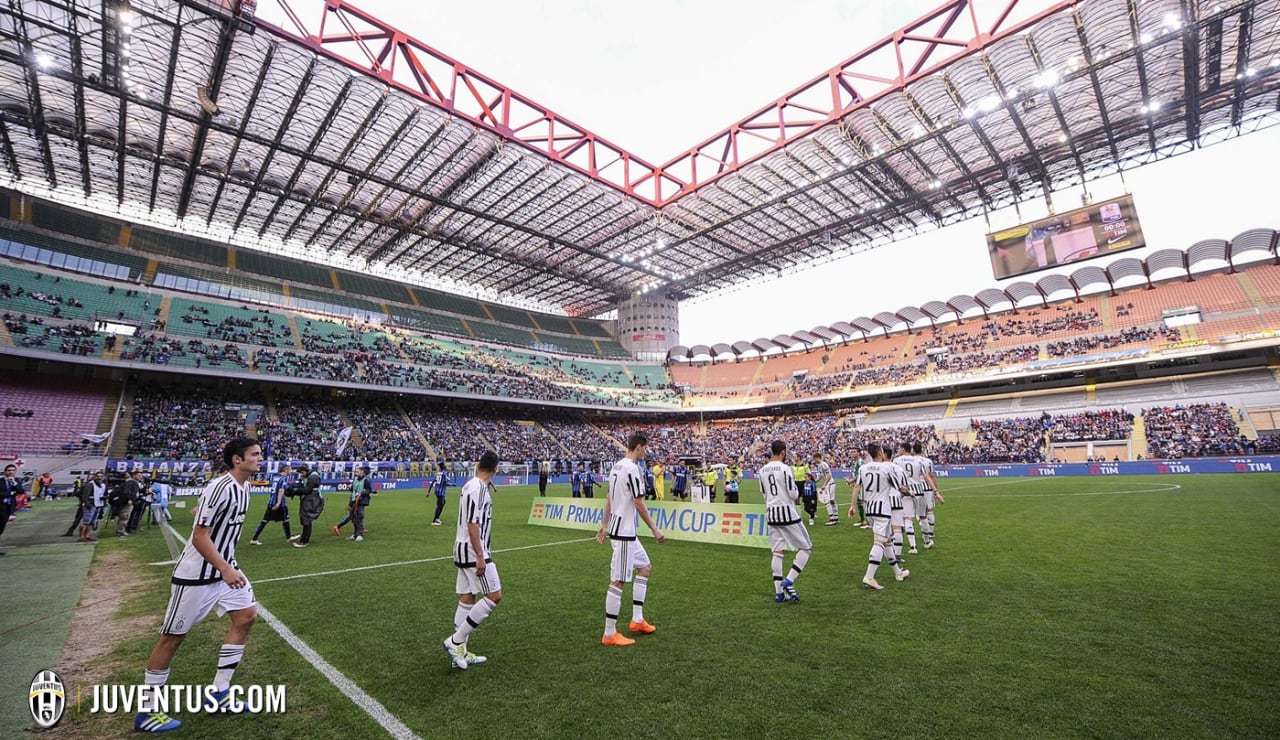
{"x":724,"y":524}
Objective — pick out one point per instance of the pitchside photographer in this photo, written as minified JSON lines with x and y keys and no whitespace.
{"x":311,"y":505}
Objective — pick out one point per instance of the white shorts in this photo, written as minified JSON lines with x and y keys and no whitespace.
{"x":189,"y":605}
{"x":895,"y":503}
{"x":880,"y":516}
{"x":909,"y":507}
{"x":470,"y":583}
{"x":881,"y":527}
{"x":928,"y":500}
{"x":827,"y":493}
{"x":789,"y":537}
{"x":628,"y":557}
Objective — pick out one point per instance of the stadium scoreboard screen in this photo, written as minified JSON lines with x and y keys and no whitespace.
{"x":1101,"y":228}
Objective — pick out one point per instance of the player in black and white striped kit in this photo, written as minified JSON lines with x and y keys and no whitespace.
{"x":630,"y":562}
{"x":786,"y":530}
{"x":206,"y":579}
{"x":477,"y":574}
{"x":931,"y":495}
{"x":881,"y":484}
{"x":913,"y":500}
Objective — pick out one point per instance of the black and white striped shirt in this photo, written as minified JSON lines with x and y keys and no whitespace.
{"x":222,"y":508}
{"x":778,"y":486}
{"x":625,"y":486}
{"x":474,"y":507}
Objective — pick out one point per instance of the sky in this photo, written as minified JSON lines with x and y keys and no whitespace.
{"x":657,"y":77}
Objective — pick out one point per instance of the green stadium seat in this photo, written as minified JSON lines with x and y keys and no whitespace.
{"x":74,"y":223}
{"x":166,"y":244}
{"x":292,"y":271}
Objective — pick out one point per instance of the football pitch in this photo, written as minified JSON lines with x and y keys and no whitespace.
{"x":1116,"y":607}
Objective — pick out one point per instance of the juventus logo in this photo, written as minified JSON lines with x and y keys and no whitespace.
{"x":47,"y":699}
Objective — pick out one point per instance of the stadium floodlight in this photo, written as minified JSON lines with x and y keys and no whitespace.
{"x":1145,"y":38}
{"x":126,"y":17}
{"x":44,"y":61}
{"x":1046,"y":79}
{"x":1172,"y":21}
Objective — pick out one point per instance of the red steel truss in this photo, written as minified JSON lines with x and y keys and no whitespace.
{"x":354,"y":37}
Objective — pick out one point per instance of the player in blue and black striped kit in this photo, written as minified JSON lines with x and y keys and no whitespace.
{"x":575,"y":481}
{"x":680,"y":489}
{"x":441,"y":483}
{"x":277,"y":506}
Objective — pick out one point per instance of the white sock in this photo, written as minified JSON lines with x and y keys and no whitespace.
{"x":926,"y":528}
{"x":152,"y":678}
{"x":479,"y":612}
{"x":612,"y":605}
{"x":797,"y":565}
{"x":873,"y":560}
{"x":911,"y":534}
{"x":639,"y":588}
{"x":932,"y":527}
{"x":228,"y":658}
{"x":777,"y":572}
{"x":897,"y":545}
{"x":460,"y":614}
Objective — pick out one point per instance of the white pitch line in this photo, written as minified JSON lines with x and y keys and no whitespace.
{"x":1002,"y":482}
{"x":412,"y":562}
{"x":371,"y":706}
{"x":1172,"y":487}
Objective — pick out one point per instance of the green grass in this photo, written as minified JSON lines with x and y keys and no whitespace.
{"x":1045,"y":611}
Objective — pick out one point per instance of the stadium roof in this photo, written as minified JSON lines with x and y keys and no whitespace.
{"x":1126,"y":272}
{"x":318,"y":130}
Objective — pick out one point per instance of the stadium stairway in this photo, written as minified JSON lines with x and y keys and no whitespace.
{"x":1106,"y":313}
{"x":422,"y":438}
{"x":908,"y":349}
{"x":1138,"y":437}
{"x":395,"y":338}
{"x":565,"y":451}
{"x":163,"y":310}
{"x":357,"y":439}
{"x":1246,"y":424}
{"x":612,"y":439}
{"x":294,"y":333}
{"x":269,"y":405}
{"x":120,"y":441}
{"x":1251,"y":290}
{"x":5,"y":339}
{"x":109,"y":409}
{"x":951,"y":405}
{"x":1091,"y":388}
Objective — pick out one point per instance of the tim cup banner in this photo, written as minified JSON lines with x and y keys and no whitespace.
{"x":722,"y":524}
